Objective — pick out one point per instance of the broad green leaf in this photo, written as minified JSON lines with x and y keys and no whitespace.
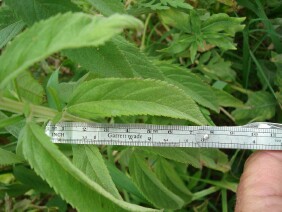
{"x":118,"y":58}
{"x":10,"y":25}
{"x":52,"y":89}
{"x":176,"y":19}
{"x":90,"y":161}
{"x":211,"y":158}
{"x":260,"y":107}
{"x":124,"y":97}
{"x":170,"y":178}
{"x":9,"y":158}
{"x":202,"y":33}
{"x":13,"y":189}
{"x":197,"y":157}
{"x":164,"y":4}
{"x":121,"y":180}
{"x":70,"y":30}
{"x":67,"y":180}
{"x":191,"y":84}
{"x":221,"y":22}
{"x":12,"y":129}
{"x":151,"y":186}
{"x":5,"y":122}
{"x":227,"y":100}
{"x":35,"y":10}
{"x":66,"y":90}
{"x":29,"y":88}
{"x":108,"y":7}
{"x":176,"y":154}
{"x":29,"y":178}
{"x":128,"y":62}
{"x":219,"y":69}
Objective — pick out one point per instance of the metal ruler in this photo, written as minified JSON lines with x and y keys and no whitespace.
{"x":258,"y":135}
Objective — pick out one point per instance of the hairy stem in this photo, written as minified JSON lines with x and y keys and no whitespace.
{"x":41,"y":112}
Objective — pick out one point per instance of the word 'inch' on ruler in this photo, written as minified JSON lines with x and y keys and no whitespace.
{"x":258,"y":135}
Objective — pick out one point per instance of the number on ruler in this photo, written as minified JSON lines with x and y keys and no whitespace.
{"x":254,"y":134}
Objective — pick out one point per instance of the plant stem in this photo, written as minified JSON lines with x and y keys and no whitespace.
{"x":144,"y":31}
{"x":241,"y":90}
{"x":205,"y":192}
{"x":227,"y":114}
{"x":44,"y":113}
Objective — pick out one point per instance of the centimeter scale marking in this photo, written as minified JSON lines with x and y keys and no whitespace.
{"x":260,"y":135}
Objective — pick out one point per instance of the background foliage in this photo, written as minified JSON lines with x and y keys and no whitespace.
{"x":215,"y":62}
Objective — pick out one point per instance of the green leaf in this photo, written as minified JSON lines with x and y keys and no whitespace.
{"x":221,"y":22}
{"x":150,"y":186}
{"x":35,"y":10}
{"x":118,"y":97}
{"x":227,"y":100}
{"x":191,"y":84}
{"x":121,"y":180}
{"x":67,"y":180}
{"x":164,"y":4}
{"x":201,"y":33}
{"x":197,"y":157}
{"x":12,"y":129}
{"x":90,"y":161}
{"x":176,"y":154}
{"x":118,"y":58}
{"x":219,"y":69}
{"x":9,"y":158}
{"x":53,"y":91}
{"x":108,"y":7}
{"x":13,"y":190}
{"x":4,"y":122}
{"x":260,"y":107}
{"x":70,"y":30}
{"x":176,"y":19}
{"x":10,"y":25}
{"x":211,"y":158}
{"x":170,"y":178}
{"x":29,"y":88}
{"x":29,"y":178}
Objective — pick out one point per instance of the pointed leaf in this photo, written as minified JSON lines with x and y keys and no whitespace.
{"x":10,"y":25}
{"x":227,"y":100}
{"x":67,"y":180}
{"x":260,"y":107}
{"x":70,"y":30}
{"x":122,"y":181}
{"x":52,"y":89}
{"x":170,"y":178}
{"x":90,"y":161}
{"x":150,"y":185}
{"x":29,"y":88}
{"x":29,"y":178}
{"x":12,"y":129}
{"x":35,"y":10}
{"x":191,"y":84}
{"x":5,"y":122}
{"x":211,"y":158}
{"x":176,"y":154}
{"x":9,"y":158}
{"x":128,"y":60}
{"x":118,"y":97}
{"x":108,"y":7}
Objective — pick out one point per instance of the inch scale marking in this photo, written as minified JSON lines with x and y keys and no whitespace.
{"x":259,"y":135}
